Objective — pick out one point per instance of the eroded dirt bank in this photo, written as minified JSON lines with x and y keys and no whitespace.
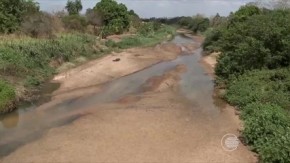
{"x":173,"y":117}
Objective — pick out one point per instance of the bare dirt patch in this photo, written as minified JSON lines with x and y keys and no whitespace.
{"x":118,"y":38}
{"x":209,"y":62}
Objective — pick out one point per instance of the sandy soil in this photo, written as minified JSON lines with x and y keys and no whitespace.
{"x":209,"y":62}
{"x":105,"y":69}
{"x":155,"y":126}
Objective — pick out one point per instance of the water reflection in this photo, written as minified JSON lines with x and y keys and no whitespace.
{"x":9,"y":120}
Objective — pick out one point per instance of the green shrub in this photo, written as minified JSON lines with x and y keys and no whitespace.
{"x":115,"y":16}
{"x":146,"y":29}
{"x":210,"y":42}
{"x":267,"y":130}
{"x":264,"y":97}
{"x":32,"y":81}
{"x":260,"y":86}
{"x":7,"y":96}
{"x":254,"y":66}
{"x":251,"y":39}
{"x":143,"y":39}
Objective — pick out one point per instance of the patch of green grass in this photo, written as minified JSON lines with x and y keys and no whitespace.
{"x":31,"y":81}
{"x":7,"y":96}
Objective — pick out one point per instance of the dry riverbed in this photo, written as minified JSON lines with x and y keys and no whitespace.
{"x":155,"y":125}
{"x":83,"y":78}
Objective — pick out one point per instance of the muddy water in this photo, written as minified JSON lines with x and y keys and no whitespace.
{"x":27,"y":124}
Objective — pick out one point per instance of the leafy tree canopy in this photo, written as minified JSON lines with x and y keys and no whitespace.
{"x":12,"y":12}
{"x":253,"y":39}
{"x":116,"y":17}
{"x":74,"y":7}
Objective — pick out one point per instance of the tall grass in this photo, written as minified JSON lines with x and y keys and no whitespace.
{"x":29,"y":61}
{"x":31,"y":57}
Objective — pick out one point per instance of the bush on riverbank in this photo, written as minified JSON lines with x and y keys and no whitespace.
{"x":260,"y":86}
{"x":267,"y":130}
{"x":264,"y":100}
{"x":258,"y":39}
{"x":254,"y":66}
{"x":7,"y":97}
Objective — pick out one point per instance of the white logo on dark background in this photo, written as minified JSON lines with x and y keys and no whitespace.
{"x":230,"y":142}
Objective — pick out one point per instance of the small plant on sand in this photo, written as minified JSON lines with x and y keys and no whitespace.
{"x":7,"y":96}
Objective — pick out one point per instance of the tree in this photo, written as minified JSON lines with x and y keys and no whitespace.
{"x":12,"y":13}
{"x":259,"y":40}
{"x":115,"y":16}
{"x":94,"y":18}
{"x":31,"y":7}
{"x":199,"y":24}
{"x":74,"y":7}
{"x":135,"y":20}
{"x":38,"y":25}
{"x":185,"y":21}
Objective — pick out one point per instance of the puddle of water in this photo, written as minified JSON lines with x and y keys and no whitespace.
{"x":28,"y":123}
{"x":11,"y":120}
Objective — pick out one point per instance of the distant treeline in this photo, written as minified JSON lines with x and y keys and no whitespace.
{"x":197,"y":23}
{"x":105,"y":18}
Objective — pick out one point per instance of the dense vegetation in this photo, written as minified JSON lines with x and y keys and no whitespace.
{"x":12,"y":13}
{"x":147,"y":35}
{"x":264,"y":99}
{"x":115,"y":17}
{"x":34,"y":45}
{"x":254,"y":68}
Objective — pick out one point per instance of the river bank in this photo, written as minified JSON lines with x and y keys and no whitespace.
{"x":28,"y":62}
{"x":106,"y":69}
{"x":163,"y":113}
